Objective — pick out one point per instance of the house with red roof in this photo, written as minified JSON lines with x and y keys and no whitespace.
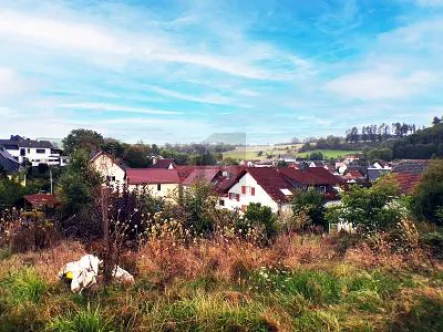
{"x":112,"y":170}
{"x":158,"y":182}
{"x":274,"y":187}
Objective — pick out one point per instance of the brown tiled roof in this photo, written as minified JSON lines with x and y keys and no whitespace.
{"x":201,"y":174}
{"x":140,"y":176}
{"x":164,"y":163}
{"x":271,"y":180}
{"x":41,"y":200}
{"x":410,"y":166}
{"x":312,"y":176}
{"x":407,"y":182}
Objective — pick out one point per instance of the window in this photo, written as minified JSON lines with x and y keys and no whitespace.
{"x":22,"y":152}
{"x":245,"y":190}
{"x":29,"y":150}
{"x":322,"y":189}
{"x":159,"y":187}
{"x":110,"y":178}
{"x":221,"y":202}
{"x":40,"y":151}
{"x":234,"y":196}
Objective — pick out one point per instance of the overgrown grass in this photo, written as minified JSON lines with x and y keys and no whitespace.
{"x":298,"y":284}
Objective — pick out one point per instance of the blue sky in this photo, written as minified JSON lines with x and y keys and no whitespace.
{"x":179,"y":71}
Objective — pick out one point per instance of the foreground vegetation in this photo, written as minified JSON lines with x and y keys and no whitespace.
{"x":225,"y":284}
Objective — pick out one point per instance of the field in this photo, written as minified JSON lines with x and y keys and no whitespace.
{"x":250,"y":152}
{"x":298,"y":284}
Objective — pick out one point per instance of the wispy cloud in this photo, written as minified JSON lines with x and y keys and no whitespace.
{"x":116,"y":108}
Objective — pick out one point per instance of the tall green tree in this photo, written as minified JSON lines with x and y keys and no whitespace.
{"x":311,"y":202}
{"x":85,"y":139}
{"x":428,"y":196}
{"x":76,"y":185}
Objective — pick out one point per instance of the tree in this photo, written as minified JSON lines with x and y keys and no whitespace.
{"x":88,"y":140}
{"x":316,"y":156}
{"x":436,"y":120}
{"x":76,"y":185}
{"x":370,"y":209}
{"x":428,"y":196}
{"x":310,"y":201}
{"x":137,"y":156}
{"x":259,"y":215}
{"x":384,"y":154}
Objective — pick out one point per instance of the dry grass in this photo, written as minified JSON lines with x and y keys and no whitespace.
{"x":297,"y":284}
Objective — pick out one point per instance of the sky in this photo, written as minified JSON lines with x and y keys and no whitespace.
{"x":179,"y":71}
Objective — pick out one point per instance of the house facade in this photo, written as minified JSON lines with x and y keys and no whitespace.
{"x":112,"y":172}
{"x":36,"y":152}
{"x":158,"y":182}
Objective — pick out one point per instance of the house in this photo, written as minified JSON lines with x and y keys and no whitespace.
{"x":158,"y":182}
{"x":273,"y":187}
{"x":112,"y":171}
{"x":409,"y":174}
{"x":354,"y":175}
{"x":38,"y":201}
{"x":36,"y":152}
{"x":165,"y":163}
{"x":266,"y":186}
{"x":7,"y":162}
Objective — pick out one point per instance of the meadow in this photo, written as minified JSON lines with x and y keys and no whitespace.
{"x":299,"y":283}
{"x":251,"y":152}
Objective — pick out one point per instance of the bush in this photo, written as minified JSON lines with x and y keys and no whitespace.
{"x":434,"y":243}
{"x":261,"y":216}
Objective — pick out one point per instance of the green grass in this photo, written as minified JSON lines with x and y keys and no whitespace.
{"x":328,"y":154}
{"x":250,"y":152}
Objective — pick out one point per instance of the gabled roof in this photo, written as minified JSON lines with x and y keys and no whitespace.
{"x":141,"y":176}
{"x":271,"y":180}
{"x":116,"y":161}
{"x":7,"y":162}
{"x":201,"y":174}
{"x":407,"y":182}
{"x":164,"y":163}
{"x":411,"y":166}
{"x":312,"y":176}
{"x":42,"y":200}
{"x":375,"y":173}
{"x":26,"y":143}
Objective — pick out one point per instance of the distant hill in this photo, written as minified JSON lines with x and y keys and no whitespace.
{"x":425,"y":144}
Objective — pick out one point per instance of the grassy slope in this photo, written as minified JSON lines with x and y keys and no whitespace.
{"x":250,"y":152}
{"x":221,"y":286}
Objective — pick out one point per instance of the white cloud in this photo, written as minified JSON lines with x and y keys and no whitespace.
{"x":373,"y":85}
{"x":103,"y":107}
{"x":430,"y":3}
{"x":11,"y":83}
{"x":208,"y":99}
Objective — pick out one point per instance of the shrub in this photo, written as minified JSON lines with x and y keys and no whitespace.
{"x":261,"y":216}
{"x":86,"y":320}
{"x":434,"y":243}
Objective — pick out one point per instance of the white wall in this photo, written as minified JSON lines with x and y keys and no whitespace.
{"x":36,"y":158}
{"x":168,"y":190}
{"x":245,"y":199}
{"x":104,"y":165}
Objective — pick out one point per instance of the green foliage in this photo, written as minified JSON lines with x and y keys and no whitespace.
{"x":316,"y":156}
{"x":84,"y":139}
{"x":384,"y":154}
{"x":371,"y":209}
{"x":24,"y":285}
{"x":137,"y":156}
{"x":77,"y":183}
{"x":311,"y":202}
{"x":11,"y":193}
{"x":86,"y":320}
{"x":261,"y":216}
{"x":428,"y":197}
{"x":198,"y":201}
{"x":434,"y":243}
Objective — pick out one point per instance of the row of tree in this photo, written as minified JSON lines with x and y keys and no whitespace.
{"x":374,"y":132}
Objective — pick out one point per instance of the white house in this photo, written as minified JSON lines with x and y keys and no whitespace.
{"x":158,"y":182}
{"x":259,"y":185}
{"x":111,"y":171}
{"x":36,"y":152}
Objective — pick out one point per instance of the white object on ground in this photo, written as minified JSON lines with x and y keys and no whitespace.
{"x":83,"y":272}
{"x":122,"y":275}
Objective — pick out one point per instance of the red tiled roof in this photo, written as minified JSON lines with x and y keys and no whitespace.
{"x":164,"y":163}
{"x":139,"y":176}
{"x":271,"y":180}
{"x":312,"y":176}
{"x":40,"y":200}
{"x":407,"y":182}
{"x":353,"y":174}
{"x":201,"y":174}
